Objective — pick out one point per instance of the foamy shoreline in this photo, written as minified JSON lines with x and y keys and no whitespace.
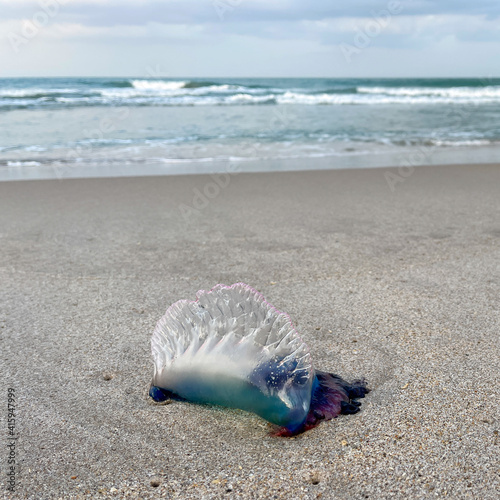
{"x":406,"y":158}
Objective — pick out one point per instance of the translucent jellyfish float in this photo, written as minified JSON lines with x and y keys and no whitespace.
{"x":230,"y":347}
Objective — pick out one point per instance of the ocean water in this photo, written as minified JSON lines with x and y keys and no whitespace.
{"x":127,"y":126}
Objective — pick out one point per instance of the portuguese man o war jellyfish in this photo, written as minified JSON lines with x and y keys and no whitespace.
{"x":230,"y":347}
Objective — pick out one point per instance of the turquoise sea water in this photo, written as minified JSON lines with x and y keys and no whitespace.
{"x":107,"y":124}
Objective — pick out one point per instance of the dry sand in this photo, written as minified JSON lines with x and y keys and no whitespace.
{"x":401,"y":287}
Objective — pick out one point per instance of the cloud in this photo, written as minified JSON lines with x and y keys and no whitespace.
{"x":143,"y":12}
{"x":253,"y":37}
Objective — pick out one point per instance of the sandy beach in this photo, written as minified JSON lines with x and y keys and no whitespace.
{"x":392,"y":277}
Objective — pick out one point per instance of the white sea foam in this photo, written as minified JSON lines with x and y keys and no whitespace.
{"x":160,"y":86}
{"x":299,"y":98}
{"x":33,"y":91}
{"x":405,"y":95}
{"x":489,"y":92}
{"x":179,"y":93}
{"x":35,"y":148}
{"x":248,"y":99}
{"x":463,"y":143}
{"x":145,"y":88}
{"x":23,"y":164}
{"x":157,"y":85}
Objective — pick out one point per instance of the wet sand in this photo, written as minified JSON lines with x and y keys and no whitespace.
{"x":391,"y":275}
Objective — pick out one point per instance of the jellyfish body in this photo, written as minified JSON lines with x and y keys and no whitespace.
{"x":230,"y":347}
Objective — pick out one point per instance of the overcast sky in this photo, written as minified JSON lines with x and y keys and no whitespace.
{"x":323,"y":38}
